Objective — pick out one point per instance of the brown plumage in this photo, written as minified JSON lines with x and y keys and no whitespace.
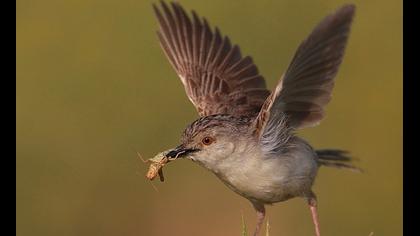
{"x":306,"y":87}
{"x":217,"y":79}
{"x":245,"y":135}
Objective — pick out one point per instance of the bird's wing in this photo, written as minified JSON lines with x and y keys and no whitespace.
{"x":305,"y":89}
{"x":217,"y":79}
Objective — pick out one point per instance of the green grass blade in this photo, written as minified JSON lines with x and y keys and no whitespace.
{"x":267,"y":228}
{"x":244,"y":230}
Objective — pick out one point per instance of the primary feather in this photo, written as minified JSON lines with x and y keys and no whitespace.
{"x":305,"y":88}
{"x":217,"y":79}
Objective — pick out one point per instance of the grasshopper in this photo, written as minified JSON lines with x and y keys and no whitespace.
{"x":156,"y":165}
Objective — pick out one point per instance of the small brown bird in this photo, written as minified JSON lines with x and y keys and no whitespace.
{"x":245,"y":134}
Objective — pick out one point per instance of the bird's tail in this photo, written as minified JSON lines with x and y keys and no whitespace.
{"x":335,"y":158}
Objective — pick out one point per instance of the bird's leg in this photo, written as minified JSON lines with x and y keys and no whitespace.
{"x":313,"y":206}
{"x":260,"y":216}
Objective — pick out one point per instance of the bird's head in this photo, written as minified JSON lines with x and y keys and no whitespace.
{"x":212,"y":139}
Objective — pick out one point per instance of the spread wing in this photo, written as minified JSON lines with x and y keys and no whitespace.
{"x":217,"y":79}
{"x":305,"y":89}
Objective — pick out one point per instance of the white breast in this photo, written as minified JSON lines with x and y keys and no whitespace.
{"x":271,"y":178}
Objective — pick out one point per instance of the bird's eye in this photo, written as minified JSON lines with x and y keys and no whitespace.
{"x":207,"y":140}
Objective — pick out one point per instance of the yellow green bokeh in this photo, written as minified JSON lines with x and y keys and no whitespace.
{"x":94,"y":87}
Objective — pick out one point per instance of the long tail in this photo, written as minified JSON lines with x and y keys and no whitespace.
{"x":335,"y":158}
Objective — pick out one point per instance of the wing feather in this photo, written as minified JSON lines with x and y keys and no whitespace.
{"x":217,"y":79}
{"x":305,"y":88}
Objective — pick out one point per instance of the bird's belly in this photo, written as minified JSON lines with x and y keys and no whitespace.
{"x":265,"y":194}
{"x":271,"y":181}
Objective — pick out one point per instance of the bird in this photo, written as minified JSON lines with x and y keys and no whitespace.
{"x":245,"y":134}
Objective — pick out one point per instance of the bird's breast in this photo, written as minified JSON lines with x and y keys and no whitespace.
{"x":268,"y":179}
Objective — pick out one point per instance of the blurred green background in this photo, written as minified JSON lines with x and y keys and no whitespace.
{"x":94,"y":87}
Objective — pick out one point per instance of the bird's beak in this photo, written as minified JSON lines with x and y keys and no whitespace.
{"x":180,"y":151}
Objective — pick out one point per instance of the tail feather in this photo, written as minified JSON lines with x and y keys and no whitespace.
{"x":336,"y":158}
